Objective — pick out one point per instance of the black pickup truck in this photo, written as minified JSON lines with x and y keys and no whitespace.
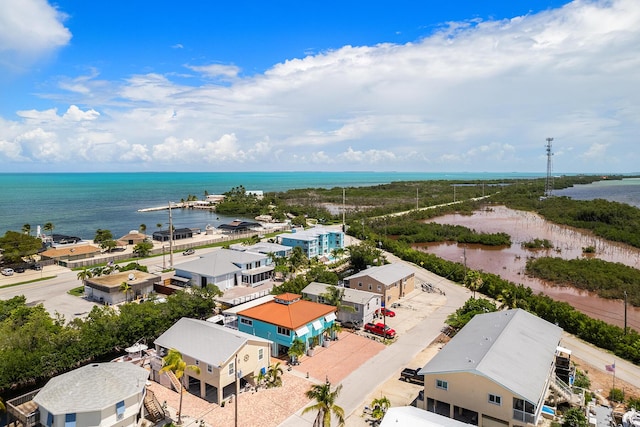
{"x":411,"y":375}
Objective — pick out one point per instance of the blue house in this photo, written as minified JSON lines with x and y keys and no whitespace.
{"x":315,"y":242}
{"x":287,"y":318}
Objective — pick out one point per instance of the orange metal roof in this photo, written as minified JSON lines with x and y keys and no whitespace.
{"x":67,"y":251}
{"x":291,"y":316}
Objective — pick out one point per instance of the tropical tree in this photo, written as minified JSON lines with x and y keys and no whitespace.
{"x":16,"y":246}
{"x":297,"y":349}
{"x":325,"y":404}
{"x":380,"y":407}
{"x":365,"y":254}
{"x":142,"y":249}
{"x":84,"y":274}
{"x":574,"y":417}
{"x":473,"y":281}
{"x":261,"y":378}
{"x":49,"y":227}
{"x":173,"y":362}
{"x":334,"y":296}
{"x":333,"y":330}
{"x":26,"y":229}
{"x":274,"y":376}
{"x":143,"y":228}
{"x":159,"y":225}
{"x":125,"y":288}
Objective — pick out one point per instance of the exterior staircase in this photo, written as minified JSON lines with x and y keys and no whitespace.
{"x":175,"y":382}
{"x":565,"y":393}
{"x":153,"y":407}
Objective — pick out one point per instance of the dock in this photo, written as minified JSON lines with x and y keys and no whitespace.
{"x":189,"y":205}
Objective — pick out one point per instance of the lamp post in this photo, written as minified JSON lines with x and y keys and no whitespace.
{"x":164,"y":263}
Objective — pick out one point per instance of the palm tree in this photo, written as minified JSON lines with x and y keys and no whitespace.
{"x":143,"y":228}
{"x":173,"y":362}
{"x":473,"y":281}
{"x":84,"y":274}
{"x":26,"y":229}
{"x":334,"y":296}
{"x":125,"y":287}
{"x":333,"y":330}
{"x":49,"y":227}
{"x":380,"y":407}
{"x":297,"y":349}
{"x":274,"y":376}
{"x":325,"y":404}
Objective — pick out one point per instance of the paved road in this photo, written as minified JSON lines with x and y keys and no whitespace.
{"x":357,"y":386}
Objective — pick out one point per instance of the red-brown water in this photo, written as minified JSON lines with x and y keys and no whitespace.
{"x":509,"y":262}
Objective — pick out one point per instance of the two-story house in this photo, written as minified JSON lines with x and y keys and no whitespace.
{"x":363,"y":304}
{"x":221,"y":353}
{"x":226,"y":269}
{"x":392,"y":281}
{"x":495,"y":372}
{"x":286,"y":318}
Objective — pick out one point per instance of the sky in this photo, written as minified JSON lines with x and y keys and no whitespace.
{"x":420,"y":86}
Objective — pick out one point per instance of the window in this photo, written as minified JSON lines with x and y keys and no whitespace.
{"x":247,"y":322}
{"x":120,"y":410}
{"x":379,"y":288}
{"x":49,"y":419}
{"x":495,"y":399}
{"x":260,"y":353}
{"x":70,"y":420}
{"x":209,"y":368}
{"x":359,"y":284}
{"x":369,"y":286}
{"x":197,"y":363}
{"x":231,"y":368}
{"x":284,"y":331}
{"x":441,"y":384}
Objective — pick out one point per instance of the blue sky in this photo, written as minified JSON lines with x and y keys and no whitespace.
{"x":405,"y":85}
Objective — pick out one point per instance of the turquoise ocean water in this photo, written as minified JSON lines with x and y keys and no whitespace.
{"x":80,"y":203}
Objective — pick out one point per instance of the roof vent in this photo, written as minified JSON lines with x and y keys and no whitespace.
{"x":131,"y":276}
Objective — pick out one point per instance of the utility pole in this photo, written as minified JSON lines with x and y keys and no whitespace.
{"x":625,"y":312}
{"x":237,"y":389}
{"x":170,"y":238}
{"x":548,"y":187}
{"x":344,"y":230}
{"x":417,"y":198}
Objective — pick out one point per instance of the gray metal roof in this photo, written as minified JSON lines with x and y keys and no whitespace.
{"x":92,"y":387}
{"x":514,"y":348}
{"x":415,"y":417}
{"x":350,"y":295}
{"x":262,"y":247}
{"x":220,"y":262}
{"x":386,"y":274}
{"x":205,"y":341}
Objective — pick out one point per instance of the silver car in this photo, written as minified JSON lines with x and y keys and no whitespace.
{"x":7,"y":271}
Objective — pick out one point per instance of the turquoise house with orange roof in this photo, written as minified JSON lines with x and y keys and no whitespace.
{"x":286,"y":318}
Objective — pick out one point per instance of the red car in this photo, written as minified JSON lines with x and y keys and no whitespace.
{"x":386,"y":312}
{"x":380,"y":329}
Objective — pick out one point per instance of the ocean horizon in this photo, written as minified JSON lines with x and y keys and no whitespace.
{"x":78,"y":204}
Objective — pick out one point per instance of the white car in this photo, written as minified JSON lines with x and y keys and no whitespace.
{"x":7,"y":271}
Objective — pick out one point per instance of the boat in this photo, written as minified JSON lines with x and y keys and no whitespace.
{"x":631,"y":419}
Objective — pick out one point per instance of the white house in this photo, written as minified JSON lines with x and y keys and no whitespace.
{"x":364,"y":304}
{"x":226,"y":269}
{"x":99,"y":394}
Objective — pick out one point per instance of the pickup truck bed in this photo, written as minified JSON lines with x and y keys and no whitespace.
{"x":411,"y":375}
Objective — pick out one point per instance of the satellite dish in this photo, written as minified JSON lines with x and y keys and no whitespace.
{"x":131,"y":276}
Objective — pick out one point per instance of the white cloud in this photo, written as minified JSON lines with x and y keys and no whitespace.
{"x":476,"y":95}
{"x":29,"y":30}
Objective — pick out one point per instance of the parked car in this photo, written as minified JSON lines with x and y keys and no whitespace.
{"x":189,"y":252}
{"x":380,"y":329}
{"x":386,"y":312}
{"x":412,"y":376}
{"x":352,"y":324}
{"x":36,"y":267}
{"x":19,"y":269}
{"x":7,"y":271}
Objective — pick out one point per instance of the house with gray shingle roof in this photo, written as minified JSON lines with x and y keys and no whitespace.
{"x":365,"y":304}
{"x":221,"y":353}
{"x":393,"y":281}
{"x":496,"y":371}
{"x":98,"y":394}
{"x":226,"y":269}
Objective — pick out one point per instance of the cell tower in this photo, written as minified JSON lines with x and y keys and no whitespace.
{"x":548,"y":187}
